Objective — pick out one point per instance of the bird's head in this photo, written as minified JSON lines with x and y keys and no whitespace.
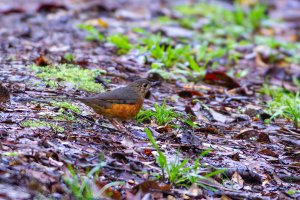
{"x":141,"y":85}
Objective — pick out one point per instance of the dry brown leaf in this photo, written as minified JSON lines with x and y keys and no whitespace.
{"x":236,"y":178}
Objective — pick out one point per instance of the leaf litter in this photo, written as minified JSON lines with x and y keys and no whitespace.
{"x":221,"y":136}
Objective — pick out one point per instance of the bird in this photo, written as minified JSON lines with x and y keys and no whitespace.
{"x":122,"y":103}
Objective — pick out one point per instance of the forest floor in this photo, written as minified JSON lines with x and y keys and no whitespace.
{"x":220,"y":122}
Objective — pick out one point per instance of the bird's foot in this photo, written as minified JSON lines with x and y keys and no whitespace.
{"x":119,"y":126}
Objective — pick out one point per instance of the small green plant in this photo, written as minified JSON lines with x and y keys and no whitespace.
{"x":274,"y":43}
{"x":162,"y":114}
{"x":11,"y":154}
{"x":121,"y":42}
{"x":171,"y":55}
{"x":249,"y":18}
{"x":38,"y":124}
{"x":238,"y":74}
{"x":256,"y":15}
{"x":205,"y":54}
{"x":283,"y":104}
{"x":194,"y":65}
{"x":93,"y":33}
{"x":187,"y":22}
{"x":190,"y":123}
{"x":293,"y":192}
{"x":178,"y":172}
{"x":83,"y":79}
{"x":296,"y":82}
{"x":69,"y":57}
{"x":81,"y":187}
{"x":139,"y":30}
{"x":150,"y":41}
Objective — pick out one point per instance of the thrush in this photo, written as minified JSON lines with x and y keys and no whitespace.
{"x":123,"y":103}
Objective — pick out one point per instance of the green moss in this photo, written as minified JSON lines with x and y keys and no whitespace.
{"x":37,"y":124}
{"x":82,"y":79}
{"x":11,"y":154}
{"x":66,"y":105}
{"x":65,"y":117}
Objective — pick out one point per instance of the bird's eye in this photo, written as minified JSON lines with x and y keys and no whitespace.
{"x":145,"y":85}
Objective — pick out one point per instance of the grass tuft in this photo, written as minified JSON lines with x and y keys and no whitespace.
{"x":93,"y":33}
{"x":121,"y":42}
{"x":162,"y":114}
{"x":179,"y":172}
{"x":83,"y":187}
{"x":249,"y":18}
{"x":283,"y":104}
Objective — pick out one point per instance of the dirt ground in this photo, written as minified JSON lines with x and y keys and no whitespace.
{"x":39,"y":141}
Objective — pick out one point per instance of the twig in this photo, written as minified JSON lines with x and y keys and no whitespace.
{"x":243,"y":195}
{"x":291,"y":166}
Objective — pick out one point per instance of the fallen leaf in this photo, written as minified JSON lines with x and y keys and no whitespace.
{"x":50,"y":7}
{"x":189,"y":94}
{"x":142,"y":190}
{"x":147,"y":186}
{"x":194,"y":191}
{"x":238,"y":180}
{"x":147,"y":152}
{"x":268,"y":152}
{"x":41,"y":176}
{"x":13,"y":192}
{"x":254,"y":135}
{"x":164,"y":129}
{"x":42,"y":61}
{"x":224,"y":197}
{"x":212,"y":115}
{"x":6,"y":10}
{"x":97,"y":22}
{"x":220,"y":78}
{"x":109,"y":192}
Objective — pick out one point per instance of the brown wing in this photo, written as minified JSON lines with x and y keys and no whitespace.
{"x":123,"y":95}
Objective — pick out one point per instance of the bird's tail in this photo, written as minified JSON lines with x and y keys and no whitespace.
{"x":42,"y":99}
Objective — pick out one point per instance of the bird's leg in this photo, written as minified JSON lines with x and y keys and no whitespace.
{"x":119,"y":126}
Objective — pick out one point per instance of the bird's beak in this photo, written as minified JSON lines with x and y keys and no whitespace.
{"x":154,"y":83}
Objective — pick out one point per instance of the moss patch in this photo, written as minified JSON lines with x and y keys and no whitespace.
{"x":64,"y":105}
{"x":79,"y":78}
{"x":37,"y":124}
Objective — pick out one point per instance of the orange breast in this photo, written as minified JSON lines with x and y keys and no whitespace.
{"x":121,"y":111}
